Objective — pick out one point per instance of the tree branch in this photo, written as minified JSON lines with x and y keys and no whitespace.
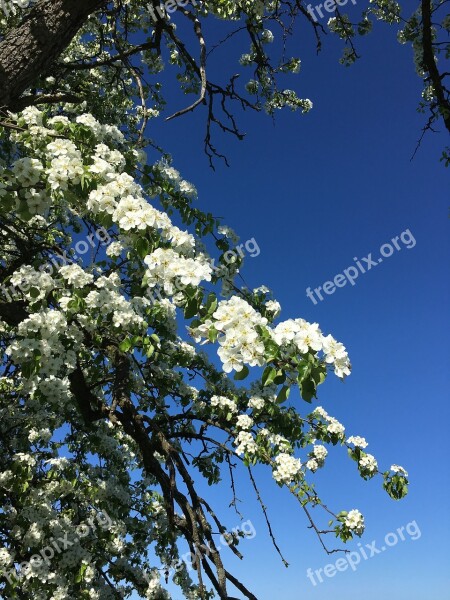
{"x":430,"y":63}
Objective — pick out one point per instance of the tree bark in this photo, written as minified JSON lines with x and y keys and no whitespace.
{"x":28,"y":51}
{"x":430,"y":63}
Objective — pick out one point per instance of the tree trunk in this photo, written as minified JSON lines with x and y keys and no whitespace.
{"x":28,"y":51}
{"x":430,"y":63}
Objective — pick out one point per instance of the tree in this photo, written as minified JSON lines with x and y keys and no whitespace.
{"x":109,"y":414}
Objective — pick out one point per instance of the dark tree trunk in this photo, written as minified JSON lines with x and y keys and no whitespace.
{"x":430,"y":63}
{"x":29,"y":50}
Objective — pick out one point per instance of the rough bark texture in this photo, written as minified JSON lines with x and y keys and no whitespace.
{"x":29,"y":50}
{"x":430,"y":64}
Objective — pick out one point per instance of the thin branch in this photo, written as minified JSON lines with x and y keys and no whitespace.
{"x":204,"y":81}
{"x":264,"y":509}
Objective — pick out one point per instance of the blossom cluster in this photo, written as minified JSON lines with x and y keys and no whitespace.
{"x":306,"y":336}
{"x":287,"y":468}
{"x":46,"y":338}
{"x":165,"y":267}
{"x":355,"y":522}
{"x":223,"y":403}
{"x":333,"y":427}
{"x":245,"y":443}
{"x":317,"y":460}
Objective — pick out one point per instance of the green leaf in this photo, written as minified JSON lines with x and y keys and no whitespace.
{"x":8,"y":203}
{"x":211,"y":304}
{"x":308,"y":390}
{"x":242,"y":374}
{"x":28,"y":369}
{"x":303,"y":371}
{"x":284,"y":394}
{"x":397,"y":487}
{"x":269,"y":375}
{"x":354,"y":454}
{"x":81,"y":572}
{"x":143,"y":247}
{"x":272,"y":350}
{"x":319,"y":374}
{"x":223,"y":245}
{"x":149,"y":351}
{"x":155,"y":338}
{"x":125,"y":345}
{"x":280,"y":377}
{"x":212,"y":334}
{"x":192,"y":308}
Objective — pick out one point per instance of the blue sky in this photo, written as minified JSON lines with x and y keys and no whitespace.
{"x":316,"y":191}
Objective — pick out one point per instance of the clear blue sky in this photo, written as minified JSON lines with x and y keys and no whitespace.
{"x":316,"y":191}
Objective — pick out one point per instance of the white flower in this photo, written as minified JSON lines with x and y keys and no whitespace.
{"x":59,"y":463}
{"x":32,"y":115}
{"x":114,"y":249}
{"x":399,"y":469}
{"x":25,"y":458}
{"x":267,"y":36}
{"x":274,"y":307}
{"x":244,"y":422}
{"x":187,"y":189}
{"x":342,"y":368}
{"x":224,"y":403}
{"x":62,"y":148}
{"x":321,"y":412}
{"x":355,"y":521}
{"x":335,"y":427}
{"x":333,"y":350}
{"x":34,"y":284}
{"x":320,"y":452}
{"x":312,"y":464}
{"x":368,"y":463}
{"x":65,"y":168}
{"x":256,"y":403}
{"x":245,"y":60}
{"x":37,"y":201}
{"x":28,"y":171}
{"x":6,"y":558}
{"x":245,"y":443}
{"x":357,"y":441}
{"x":287,"y":468}
{"x":36,"y":435}
{"x":59,"y":119}
{"x":76,"y":276}
{"x":228,"y":232}
{"x":309,"y":338}
{"x":89,"y":121}
{"x":165,"y":266}
{"x":285,"y":332}
{"x":236,"y":321}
